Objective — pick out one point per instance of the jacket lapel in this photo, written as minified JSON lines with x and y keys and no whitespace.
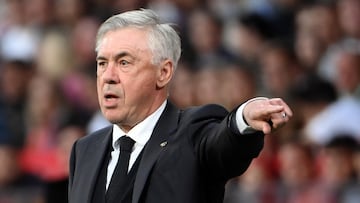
{"x":165,"y":126}
{"x":91,"y":169}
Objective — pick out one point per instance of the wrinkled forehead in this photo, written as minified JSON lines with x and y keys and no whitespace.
{"x":124,"y":43}
{"x":130,"y":37}
{"x":126,"y":29}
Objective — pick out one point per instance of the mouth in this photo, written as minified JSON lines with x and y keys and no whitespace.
{"x":110,"y":100}
{"x":110,"y":96}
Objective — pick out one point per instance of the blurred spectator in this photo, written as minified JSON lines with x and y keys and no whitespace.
{"x":309,"y":50}
{"x":319,"y":19}
{"x":50,"y":134}
{"x":257,"y":184}
{"x":237,"y":85}
{"x":207,"y":86}
{"x":247,"y":37}
{"x":279,"y":69}
{"x":228,"y":86}
{"x":337,"y":175}
{"x":328,"y":32}
{"x":14,"y":80}
{"x":254,"y":186}
{"x":326,"y":23}
{"x":182,"y":87}
{"x":188,"y":6}
{"x":348,"y":17}
{"x":342,"y":116}
{"x":311,"y":95}
{"x":68,"y":12}
{"x":205,"y":34}
{"x":80,"y":96}
{"x":317,"y":35}
{"x":18,"y":40}
{"x":55,"y":57}
{"x":56,"y":190}
{"x":167,"y":10}
{"x":351,"y":194}
{"x":39,"y":155}
{"x":119,"y":6}
{"x":347,"y":81}
{"x":99,"y":8}
{"x":83,"y":45}
{"x":297,"y":174}
{"x":296,"y":164}
{"x":13,"y":13}
{"x":280,"y":14}
{"x":226,"y":9}
{"x":357,"y":163}
{"x":16,"y":186}
{"x":26,"y":46}
{"x":39,"y":13}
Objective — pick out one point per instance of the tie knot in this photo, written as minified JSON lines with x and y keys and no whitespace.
{"x":126,"y":143}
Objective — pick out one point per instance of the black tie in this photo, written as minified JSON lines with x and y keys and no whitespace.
{"x":119,"y":176}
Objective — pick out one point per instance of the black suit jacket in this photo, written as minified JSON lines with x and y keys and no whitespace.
{"x":188,"y":159}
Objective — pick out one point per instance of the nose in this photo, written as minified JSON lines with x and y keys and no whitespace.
{"x":110,"y":75}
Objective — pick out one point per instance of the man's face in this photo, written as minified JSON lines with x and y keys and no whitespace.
{"x":126,"y":78}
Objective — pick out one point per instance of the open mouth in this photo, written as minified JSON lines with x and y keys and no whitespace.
{"x":110,"y":96}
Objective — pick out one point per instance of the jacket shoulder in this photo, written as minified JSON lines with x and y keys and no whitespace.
{"x":96,"y":135}
{"x":206,"y":117}
{"x":214,"y":111}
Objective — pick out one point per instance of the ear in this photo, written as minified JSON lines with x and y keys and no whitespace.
{"x":165,"y":73}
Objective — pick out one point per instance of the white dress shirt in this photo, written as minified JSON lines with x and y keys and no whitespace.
{"x":141,"y":134}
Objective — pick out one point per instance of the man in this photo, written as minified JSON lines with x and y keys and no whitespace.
{"x":183,"y":156}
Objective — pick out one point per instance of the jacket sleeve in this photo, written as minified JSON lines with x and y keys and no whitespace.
{"x":223,"y":152}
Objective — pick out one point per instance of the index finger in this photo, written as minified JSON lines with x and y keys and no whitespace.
{"x":280,"y":102}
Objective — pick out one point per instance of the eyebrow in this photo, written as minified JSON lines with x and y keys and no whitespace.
{"x":117,"y":56}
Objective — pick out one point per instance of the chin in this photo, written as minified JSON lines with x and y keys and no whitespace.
{"x":112,"y":117}
{"x":114,"y":120}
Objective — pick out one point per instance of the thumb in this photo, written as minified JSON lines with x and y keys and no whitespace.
{"x":266,"y":128}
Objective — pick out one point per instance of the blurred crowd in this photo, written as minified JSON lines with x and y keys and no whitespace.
{"x":305,"y":51}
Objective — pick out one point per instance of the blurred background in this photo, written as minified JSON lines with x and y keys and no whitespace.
{"x":305,"y":51}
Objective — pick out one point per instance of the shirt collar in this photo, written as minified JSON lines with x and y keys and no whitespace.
{"x":140,"y":133}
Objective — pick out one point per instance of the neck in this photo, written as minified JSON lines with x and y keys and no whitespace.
{"x":126,"y":127}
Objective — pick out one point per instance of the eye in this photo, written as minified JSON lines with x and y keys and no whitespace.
{"x":101,"y":63}
{"x":123,"y":62}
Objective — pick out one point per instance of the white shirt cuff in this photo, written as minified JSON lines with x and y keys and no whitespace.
{"x":243,"y":127}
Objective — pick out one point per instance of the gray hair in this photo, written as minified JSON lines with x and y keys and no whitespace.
{"x":163,"y":40}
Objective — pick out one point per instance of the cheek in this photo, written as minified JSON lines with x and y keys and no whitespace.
{"x":136,"y":90}
{"x":141,"y":82}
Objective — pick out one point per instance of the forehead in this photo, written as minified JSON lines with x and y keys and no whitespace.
{"x":125,"y":38}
